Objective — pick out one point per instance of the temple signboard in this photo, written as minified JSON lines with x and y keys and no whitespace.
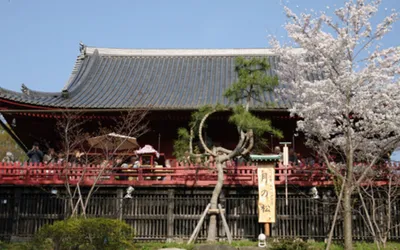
{"x":266,"y":194}
{"x":266,"y":189}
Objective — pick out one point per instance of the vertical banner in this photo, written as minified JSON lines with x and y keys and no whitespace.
{"x":266,"y":194}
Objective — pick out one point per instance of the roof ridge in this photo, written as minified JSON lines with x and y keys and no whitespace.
{"x":75,"y":70}
{"x":32,"y":94}
{"x":181,"y":52}
{"x":95,"y":47}
{"x":82,"y":72}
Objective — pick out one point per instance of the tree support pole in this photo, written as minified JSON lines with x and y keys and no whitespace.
{"x":329,"y":243}
{"x":199,"y":224}
{"x":201,"y":221}
{"x":228,"y":232}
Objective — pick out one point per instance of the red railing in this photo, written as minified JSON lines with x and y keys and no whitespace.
{"x":38,"y":174}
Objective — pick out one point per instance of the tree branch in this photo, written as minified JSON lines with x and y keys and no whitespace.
{"x":203,"y":120}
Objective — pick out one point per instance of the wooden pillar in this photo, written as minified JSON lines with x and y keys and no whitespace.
{"x":170,"y":215}
{"x":16,"y":212}
{"x":120,"y":203}
{"x":267,"y":229}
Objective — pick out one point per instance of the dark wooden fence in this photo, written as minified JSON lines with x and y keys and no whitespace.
{"x":162,"y":214}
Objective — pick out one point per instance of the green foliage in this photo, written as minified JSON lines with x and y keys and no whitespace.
{"x":79,"y":233}
{"x":160,"y":245}
{"x":7,"y":144}
{"x":281,"y":244}
{"x":321,"y":245}
{"x":17,"y":246}
{"x":372,"y":246}
{"x":289,"y":245}
{"x":181,"y":145}
{"x":243,"y":243}
{"x":183,"y":245}
{"x":246,"y":121}
{"x":259,"y":144}
{"x":253,"y":80}
{"x":198,"y":115}
{"x":337,"y":183}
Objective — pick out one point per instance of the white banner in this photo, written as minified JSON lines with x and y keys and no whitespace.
{"x":266,"y":194}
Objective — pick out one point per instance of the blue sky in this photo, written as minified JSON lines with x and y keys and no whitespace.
{"x":396,"y":156}
{"x":39,"y":39}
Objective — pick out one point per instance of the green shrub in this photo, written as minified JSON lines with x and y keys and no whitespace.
{"x":15,"y":246}
{"x":88,"y":234}
{"x":289,"y":245}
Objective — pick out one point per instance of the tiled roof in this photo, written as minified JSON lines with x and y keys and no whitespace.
{"x":173,"y":79}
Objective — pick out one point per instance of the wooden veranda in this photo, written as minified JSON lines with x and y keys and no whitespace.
{"x":24,"y":174}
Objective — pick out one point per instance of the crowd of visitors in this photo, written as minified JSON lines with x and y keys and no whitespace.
{"x":296,"y":159}
{"x":119,"y":163}
{"x":36,"y":155}
{"x":127,"y":166}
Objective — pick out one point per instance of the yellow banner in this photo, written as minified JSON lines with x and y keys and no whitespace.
{"x":266,"y":194}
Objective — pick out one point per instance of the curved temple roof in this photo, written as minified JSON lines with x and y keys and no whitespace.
{"x":168,"y":79}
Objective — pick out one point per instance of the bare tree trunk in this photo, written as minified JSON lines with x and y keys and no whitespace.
{"x":348,"y":189}
{"x":328,"y":244}
{"x":368,"y":218}
{"x":83,"y":206}
{"x":92,"y":188}
{"x":212,"y":227}
{"x":70,"y":198}
{"x":75,"y":209}
{"x":347,"y":216}
{"x":389,"y":201}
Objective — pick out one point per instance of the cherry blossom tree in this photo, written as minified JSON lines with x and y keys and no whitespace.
{"x":346,"y":89}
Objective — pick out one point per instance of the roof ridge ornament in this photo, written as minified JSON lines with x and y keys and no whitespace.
{"x":82,"y":49}
{"x":25,"y":90}
{"x":65,"y":93}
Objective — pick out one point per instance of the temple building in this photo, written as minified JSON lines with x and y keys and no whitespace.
{"x":160,"y":201}
{"x":171,"y":83}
